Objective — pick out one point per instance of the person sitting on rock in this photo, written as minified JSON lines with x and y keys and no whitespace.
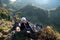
{"x":25,"y":24}
{"x":26,"y":27}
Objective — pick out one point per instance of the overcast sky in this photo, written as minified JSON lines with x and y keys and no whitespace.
{"x":40,"y":3}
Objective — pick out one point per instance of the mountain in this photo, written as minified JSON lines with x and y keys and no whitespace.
{"x":34,"y":14}
{"x":55,"y":18}
{"x":38,"y":15}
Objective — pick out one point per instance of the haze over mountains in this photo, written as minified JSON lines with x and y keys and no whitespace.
{"x":38,"y":3}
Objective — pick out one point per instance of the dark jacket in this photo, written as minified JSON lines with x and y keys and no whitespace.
{"x":26,"y":27}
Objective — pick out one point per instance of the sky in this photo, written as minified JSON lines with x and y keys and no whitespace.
{"x":47,"y":4}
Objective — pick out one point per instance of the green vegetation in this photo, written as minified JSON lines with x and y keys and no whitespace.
{"x":38,"y":15}
{"x":34,"y":15}
{"x":4,"y":14}
{"x":5,"y":23}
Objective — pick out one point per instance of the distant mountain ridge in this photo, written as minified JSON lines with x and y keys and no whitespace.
{"x":33,"y":13}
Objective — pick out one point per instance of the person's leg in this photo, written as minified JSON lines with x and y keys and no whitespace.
{"x":12,"y":37}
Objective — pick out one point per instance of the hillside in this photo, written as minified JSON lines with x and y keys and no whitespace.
{"x":5,"y":22}
{"x":55,"y":18}
{"x":12,"y":11}
{"x":6,"y":25}
{"x":38,"y":15}
{"x":34,"y":14}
